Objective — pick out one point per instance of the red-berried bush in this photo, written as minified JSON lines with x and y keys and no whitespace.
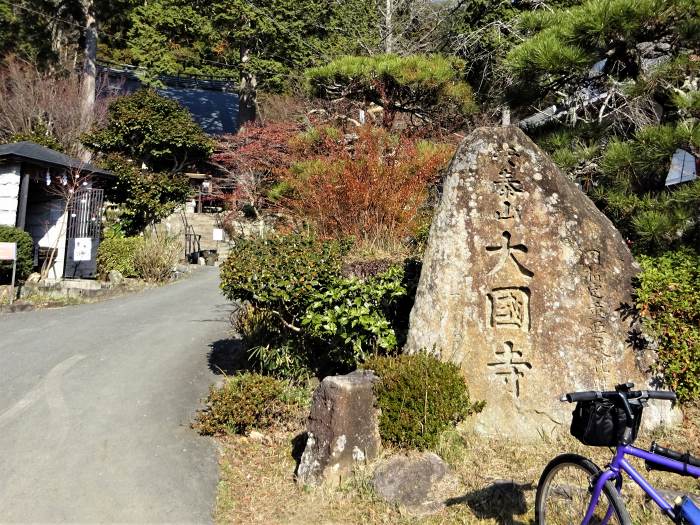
{"x":372,"y":188}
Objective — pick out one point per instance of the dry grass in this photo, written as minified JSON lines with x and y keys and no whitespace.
{"x":257,"y":484}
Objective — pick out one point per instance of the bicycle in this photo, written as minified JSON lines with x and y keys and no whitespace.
{"x":570,"y":488}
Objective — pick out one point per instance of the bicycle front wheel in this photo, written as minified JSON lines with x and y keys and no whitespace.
{"x":565,"y":490}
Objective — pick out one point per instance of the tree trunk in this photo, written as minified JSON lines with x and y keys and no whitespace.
{"x":247,"y":103}
{"x":89,"y":72}
{"x":388,"y":27}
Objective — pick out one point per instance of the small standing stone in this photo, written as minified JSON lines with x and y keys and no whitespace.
{"x":115,"y":278}
{"x":342,"y":428}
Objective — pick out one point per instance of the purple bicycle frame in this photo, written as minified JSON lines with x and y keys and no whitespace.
{"x":620,"y":464}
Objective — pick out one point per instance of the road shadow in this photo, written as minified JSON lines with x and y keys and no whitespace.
{"x":227,"y":356}
{"x":501,"y":501}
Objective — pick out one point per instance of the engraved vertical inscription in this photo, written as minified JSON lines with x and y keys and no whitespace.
{"x":510,"y":308}
{"x":510,"y":366}
{"x":509,"y":305}
{"x":599,"y":307}
{"x":506,"y":252}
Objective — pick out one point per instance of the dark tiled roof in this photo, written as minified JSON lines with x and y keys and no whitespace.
{"x":35,"y":153}
{"x":215,"y":111}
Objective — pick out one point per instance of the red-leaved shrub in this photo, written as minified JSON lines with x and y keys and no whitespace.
{"x":372,"y":188}
{"x":251,"y":161}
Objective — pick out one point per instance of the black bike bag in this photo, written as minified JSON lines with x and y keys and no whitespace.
{"x":685,"y":458}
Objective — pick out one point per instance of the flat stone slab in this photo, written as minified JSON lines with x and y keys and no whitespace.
{"x":420,"y":482}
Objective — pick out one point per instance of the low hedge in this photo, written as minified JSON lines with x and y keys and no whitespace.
{"x":251,"y":401}
{"x":118,"y":253}
{"x":419,"y":397}
{"x":25,"y":254}
{"x":668,"y":298}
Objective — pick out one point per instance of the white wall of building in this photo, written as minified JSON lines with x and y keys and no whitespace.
{"x":9,"y":193}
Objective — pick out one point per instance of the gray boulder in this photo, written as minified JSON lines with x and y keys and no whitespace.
{"x":115,"y":278}
{"x":421,"y":483}
{"x":527,"y":286}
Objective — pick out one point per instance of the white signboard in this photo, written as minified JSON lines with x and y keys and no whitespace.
{"x":8,"y":251}
{"x":82,"y":249}
{"x":218,"y":234}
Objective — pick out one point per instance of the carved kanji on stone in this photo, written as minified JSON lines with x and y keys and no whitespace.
{"x":523,"y":284}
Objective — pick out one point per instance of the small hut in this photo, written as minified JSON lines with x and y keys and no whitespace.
{"x":58,"y":200}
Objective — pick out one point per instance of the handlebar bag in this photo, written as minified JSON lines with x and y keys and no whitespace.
{"x":602,"y":422}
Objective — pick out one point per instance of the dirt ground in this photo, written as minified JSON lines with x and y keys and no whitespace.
{"x":257,"y":481}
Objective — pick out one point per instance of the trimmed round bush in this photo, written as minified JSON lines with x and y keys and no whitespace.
{"x":25,"y":254}
{"x":419,"y":397}
{"x":248,"y":401}
{"x":118,"y":253}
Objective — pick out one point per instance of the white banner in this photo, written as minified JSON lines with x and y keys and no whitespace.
{"x":218,"y":234}
{"x":8,"y":251}
{"x":82,"y":249}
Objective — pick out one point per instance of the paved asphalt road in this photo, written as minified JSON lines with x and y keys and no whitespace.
{"x":95,"y":405}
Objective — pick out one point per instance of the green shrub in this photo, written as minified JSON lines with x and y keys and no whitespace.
{"x":353,"y":316}
{"x":271,"y":350}
{"x":250,"y":401}
{"x":419,"y":397}
{"x":668,"y":298}
{"x":280,"y":274}
{"x":143,"y":197}
{"x":25,"y":253}
{"x":117,"y":253}
{"x":303,"y":318}
{"x":151,"y":128}
{"x":156,"y":256}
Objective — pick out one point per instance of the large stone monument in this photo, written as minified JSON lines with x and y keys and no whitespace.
{"x":525,"y":284}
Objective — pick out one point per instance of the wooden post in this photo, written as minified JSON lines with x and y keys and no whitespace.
{"x":12,"y":283}
{"x":22,"y":208}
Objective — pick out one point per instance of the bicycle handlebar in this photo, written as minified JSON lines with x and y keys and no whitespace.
{"x":574,"y":397}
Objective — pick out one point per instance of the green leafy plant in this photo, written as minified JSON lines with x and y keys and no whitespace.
{"x":668,"y":298}
{"x":280,"y":274}
{"x":150,"y":128}
{"x":353,"y":316}
{"x":25,"y":253}
{"x":303,"y":318}
{"x":118,"y":253}
{"x":277,"y":278}
{"x":251,"y":401}
{"x":271,"y":350}
{"x":143,"y":197}
{"x":419,"y":397}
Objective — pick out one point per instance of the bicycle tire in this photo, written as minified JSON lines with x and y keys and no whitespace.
{"x":575,"y":502}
